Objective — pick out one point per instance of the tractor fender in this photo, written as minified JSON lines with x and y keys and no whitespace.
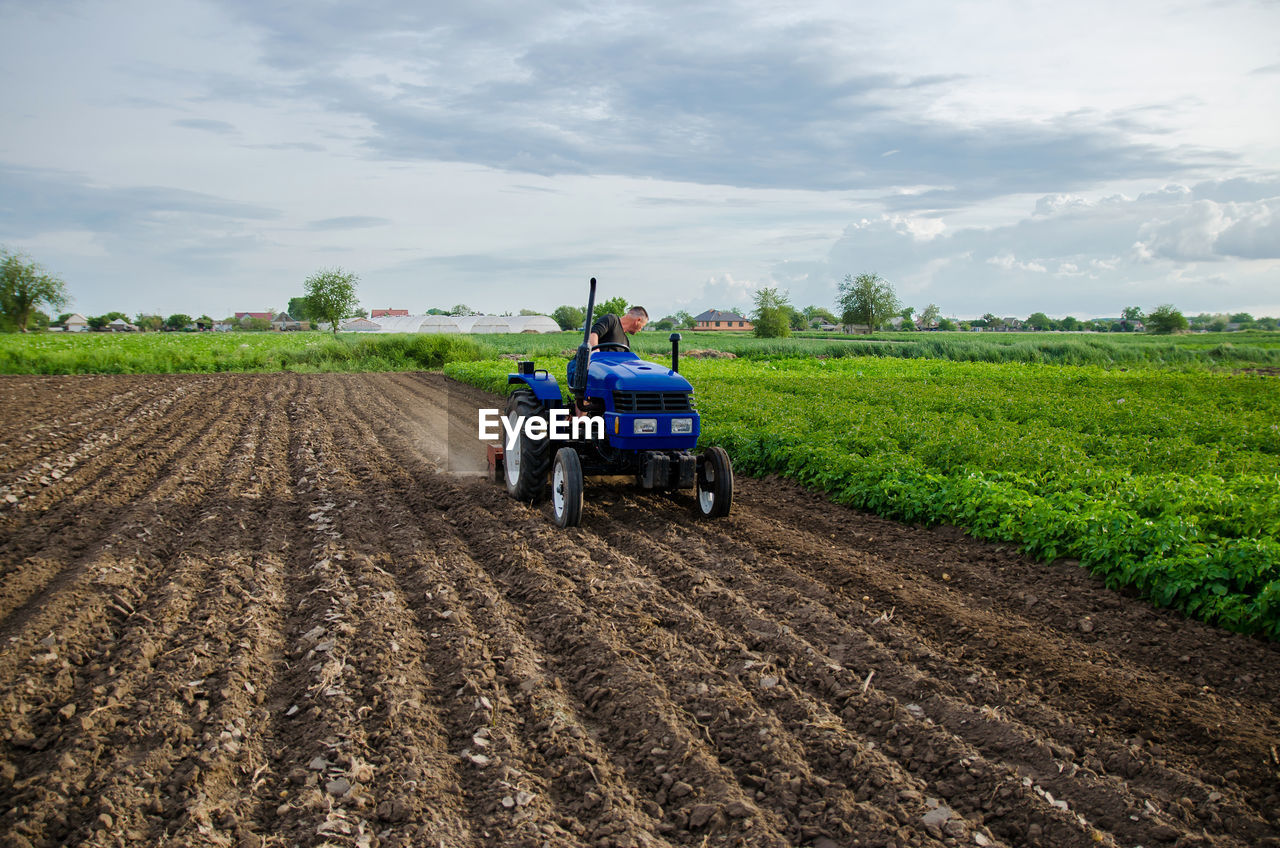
{"x":543,"y":385}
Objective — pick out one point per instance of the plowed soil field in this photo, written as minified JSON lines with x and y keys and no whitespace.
{"x":247,"y":610}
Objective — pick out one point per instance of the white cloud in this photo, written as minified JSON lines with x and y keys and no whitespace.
{"x":1102,"y":253}
{"x":1009,"y":262}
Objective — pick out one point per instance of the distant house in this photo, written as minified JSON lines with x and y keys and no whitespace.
{"x":388,"y":313}
{"x":262,"y":316}
{"x":121,"y":326}
{"x":77,"y":323}
{"x":223,"y":327}
{"x":283,"y":322}
{"x":714,"y":319}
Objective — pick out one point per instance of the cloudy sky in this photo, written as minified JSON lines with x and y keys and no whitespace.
{"x":1075,"y":158}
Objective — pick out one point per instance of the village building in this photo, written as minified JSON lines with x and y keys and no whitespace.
{"x":283,"y":322}
{"x":714,"y":319}
{"x":76,"y":323}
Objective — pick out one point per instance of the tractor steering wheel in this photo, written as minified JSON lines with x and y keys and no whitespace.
{"x":614,"y":345}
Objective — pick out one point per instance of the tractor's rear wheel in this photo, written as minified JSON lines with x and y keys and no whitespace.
{"x":566,"y":488}
{"x":714,"y":491}
{"x":529,"y":460}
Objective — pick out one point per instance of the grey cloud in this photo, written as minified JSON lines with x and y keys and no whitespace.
{"x":1255,"y":236}
{"x":1238,"y":190}
{"x":41,"y":200}
{"x":348,"y":222}
{"x":559,"y":92}
{"x":306,"y":146}
{"x":495,"y":264}
{"x":205,"y":124}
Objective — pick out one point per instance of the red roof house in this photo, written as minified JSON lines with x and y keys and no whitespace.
{"x":388,"y":313}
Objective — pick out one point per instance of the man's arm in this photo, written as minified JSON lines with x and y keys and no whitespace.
{"x":593,"y":340}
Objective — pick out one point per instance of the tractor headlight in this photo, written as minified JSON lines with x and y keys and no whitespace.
{"x":681,"y":425}
{"x":644,"y":425}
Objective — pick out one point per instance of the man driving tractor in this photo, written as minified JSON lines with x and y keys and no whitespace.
{"x":612,"y":330}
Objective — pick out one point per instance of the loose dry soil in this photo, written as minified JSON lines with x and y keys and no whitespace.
{"x":248,"y":610}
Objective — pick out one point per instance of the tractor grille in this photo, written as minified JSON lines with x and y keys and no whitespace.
{"x":652,"y":402}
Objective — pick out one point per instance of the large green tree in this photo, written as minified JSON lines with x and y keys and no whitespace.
{"x":1166,"y":319}
{"x":612,"y":306}
{"x":866,"y":299}
{"x":568,"y":317}
{"x":1039,"y":321}
{"x":331,"y":295}
{"x":772,"y":315}
{"x":25,"y":285}
{"x":144,"y":321}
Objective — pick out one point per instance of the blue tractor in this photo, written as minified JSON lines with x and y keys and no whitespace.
{"x":650,"y":430}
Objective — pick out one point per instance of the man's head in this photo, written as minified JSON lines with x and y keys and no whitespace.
{"x":634,"y":320}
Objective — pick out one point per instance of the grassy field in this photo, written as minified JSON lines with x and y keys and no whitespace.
{"x":170,"y":353}
{"x":108,"y":353}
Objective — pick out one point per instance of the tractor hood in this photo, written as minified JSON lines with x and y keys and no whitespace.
{"x":626,"y":372}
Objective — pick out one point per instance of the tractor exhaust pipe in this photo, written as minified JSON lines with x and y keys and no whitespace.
{"x":675,"y":352}
{"x":584,"y":350}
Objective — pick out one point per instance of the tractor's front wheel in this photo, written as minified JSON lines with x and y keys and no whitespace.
{"x":715,"y":483}
{"x":566,"y":488}
{"x":528,"y":461}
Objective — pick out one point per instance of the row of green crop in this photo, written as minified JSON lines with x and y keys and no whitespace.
{"x":157,"y":353}
{"x":1166,"y":482}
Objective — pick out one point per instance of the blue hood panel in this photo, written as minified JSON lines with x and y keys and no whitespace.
{"x":612,"y":371}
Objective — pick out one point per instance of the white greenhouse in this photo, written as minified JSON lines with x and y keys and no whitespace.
{"x":532,"y":324}
{"x":490,"y":324}
{"x":438,"y":324}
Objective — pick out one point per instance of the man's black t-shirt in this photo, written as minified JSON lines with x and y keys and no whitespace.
{"x":609,"y":329}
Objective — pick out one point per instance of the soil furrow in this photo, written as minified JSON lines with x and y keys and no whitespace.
{"x":56,"y":433}
{"x":356,"y":754}
{"x":173,"y":484}
{"x":803,"y":635}
{"x":45,"y":543}
{"x":1045,"y":676}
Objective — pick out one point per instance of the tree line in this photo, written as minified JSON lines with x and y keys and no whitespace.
{"x":867,"y":302}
